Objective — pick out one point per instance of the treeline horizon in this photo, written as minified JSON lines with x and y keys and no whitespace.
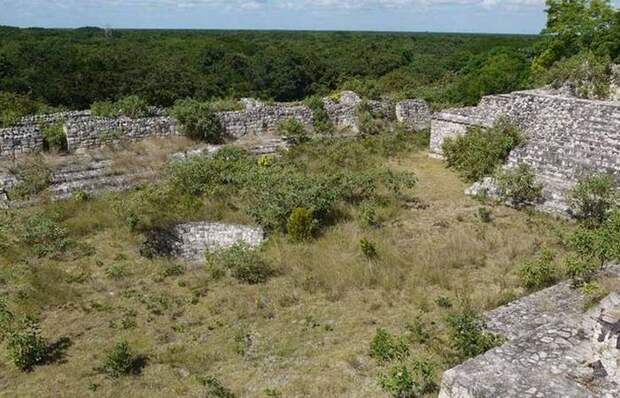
{"x":72,"y":68}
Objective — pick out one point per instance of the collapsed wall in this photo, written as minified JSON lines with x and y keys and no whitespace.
{"x":567,"y":138}
{"x":84,"y":131}
{"x":554,"y":348}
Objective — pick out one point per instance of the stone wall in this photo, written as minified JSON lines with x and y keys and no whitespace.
{"x":415,"y":114}
{"x":93,"y":132}
{"x":554,"y":349}
{"x":261,"y":119}
{"x":191,"y":241}
{"x":567,"y":138}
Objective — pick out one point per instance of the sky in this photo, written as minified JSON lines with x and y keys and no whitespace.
{"x":487,"y":16}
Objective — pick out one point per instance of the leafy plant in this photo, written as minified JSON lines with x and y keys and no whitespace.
{"x":386,"y":347}
{"x":131,"y":106}
{"x":242,"y":262}
{"x":300,"y":225}
{"x":320,"y":119}
{"x":25,"y":345}
{"x":580,"y":270}
{"x":403,"y":382}
{"x":540,"y":272}
{"x":518,"y":186}
{"x":293,"y":130}
{"x":468,"y":336}
{"x":592,"y":199}
{"x":122,"y":361}
{"x":480,"y":151}
{"x":54,"y":137}
{"x":44,"y":235}
{"x":198,"y":120}
{"x":368,"y":248}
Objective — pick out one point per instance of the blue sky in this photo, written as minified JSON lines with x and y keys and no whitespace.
{"x":493,"y":16}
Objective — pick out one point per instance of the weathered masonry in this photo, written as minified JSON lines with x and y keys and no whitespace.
{"x":84,"y":131}
{"x":567,"y":138}
{"x":554,"y":349}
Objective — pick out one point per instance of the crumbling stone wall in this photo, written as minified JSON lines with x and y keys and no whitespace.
{"x":94,"y":131}
{"x":260,"y":119}
{"x":567,"y":138}
{"x":553,"y":349}
{"x":191,"y":241}
{"x":415,"y":114}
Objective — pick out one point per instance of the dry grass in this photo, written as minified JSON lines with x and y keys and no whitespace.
{"x":305,"y":333}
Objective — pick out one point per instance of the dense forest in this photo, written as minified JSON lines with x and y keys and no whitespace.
{"x":45,"y":69}
{"x":74,"y":68}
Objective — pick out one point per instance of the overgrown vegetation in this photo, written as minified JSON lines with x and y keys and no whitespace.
{"x":480,"y":151}
{"x":241,"y":262}
{"x":198,"y":120}
{"x":518,"y":186}
{"x":131,"y":106}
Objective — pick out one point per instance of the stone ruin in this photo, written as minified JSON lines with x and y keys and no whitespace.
{"x":553,"y":348}
{"x":192,"y":241}
{"x":567,"y":138}
{"x":84,"y":131}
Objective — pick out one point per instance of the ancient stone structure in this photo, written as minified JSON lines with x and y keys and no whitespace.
{"x":85,"y":131}
{"x":261,"y":119}
{"x":93,"y":132}
{"x":192,"y":241}
{"x":567,"y":138}
{"x":554,"y":349}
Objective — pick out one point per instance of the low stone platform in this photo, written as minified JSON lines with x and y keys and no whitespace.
{"x":191,"y":241}
{"x":553,"y":349}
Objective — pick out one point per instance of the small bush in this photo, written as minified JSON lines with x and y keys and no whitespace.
{"x":592,"y":199}
{"x":367,"y":215}
{"x":368,"y":248}
{"x":198,"y":120}
{"x":369,"y":122}
{"x":485,"y":215}
{"x":580,"y":270}
{"x":293,"y":130}
{"x":321,"y":121}
{"x":122,"y":361}
{"x":54,"y":138}
{"x":601,"y":244}
{"x":480,"y":151}
{"x":467,"y":334}
{"x":215,"y":389}
{"x":15,"y":106}
{"x":401,"y":382}
{"x":518,"y":186}
{"x":44,"y":236}
{"x":540,"y":272}
{"x":386,"y":347}
{"x":131,"y":106}
{"x":242,"y":262}
{"x":25,"y":345}
{"x":300,"y":225}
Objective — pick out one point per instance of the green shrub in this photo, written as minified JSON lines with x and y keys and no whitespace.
{"x":401,"y":382}
{"x":103,"y":109}
{"x":215,"y":389}
{"x":466,"y":330}
{"x":580,"y":270}
{"x":320,"y":118}
{"x":485,"y":215}
{"x":122,"y":361}
{"x":131,"y":106}
{"x":300,"y":225}
{"x":518,"y":186}
{"x":540,"y":272}
{"x":593,"y":293}
{"x":480,"y":151}
{"x":370,"y":122}
{"x":588,"y":73}
{"x":225,"y":105}
{"x":198,"y":120}
{"x":54,"y":138}
{"x":386,"y":347}
{"x":34,"y":177}
{"x":592,"y":199}
{"x":368,"y":248}
{"x":241,"y":262}
{"x":367,"y":214}
{"x":14,"y":106}
{"x":25,"y":345}
{"x":601,"y":244}
{"x":80,"y":196}
{"x":293,"y":130}
{"x":44,"y":236}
